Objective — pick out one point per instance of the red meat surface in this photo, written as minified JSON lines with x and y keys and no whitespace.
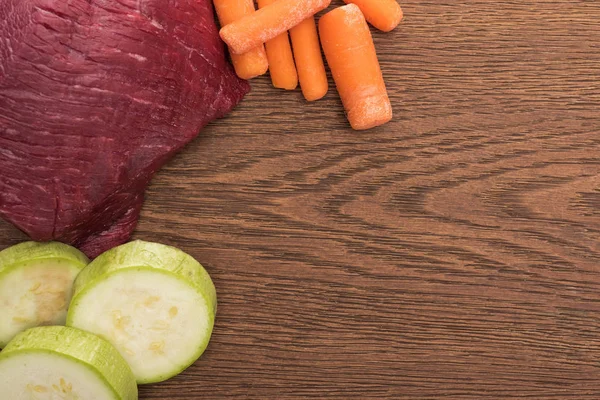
{"x":95,"y":96}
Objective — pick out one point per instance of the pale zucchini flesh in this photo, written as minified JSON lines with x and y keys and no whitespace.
{"x":36,"y":282}
{"x":60,"y":363}
{"x":157,"y":322}
{"x":154,"y":303}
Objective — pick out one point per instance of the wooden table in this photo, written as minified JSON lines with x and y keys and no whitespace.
{"x":454,"y":253}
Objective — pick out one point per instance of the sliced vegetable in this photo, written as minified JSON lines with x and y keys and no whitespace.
{"x":56,"y":362}
{"x":254,"y":62}
{"x":268,"y":22}
{"x":351,"y":56}
{"x":309,"y":60}
{"x":154,"y":303}
{"x":384,"y":15}
{"x":281,"y":60}
{"x":35,"y":285}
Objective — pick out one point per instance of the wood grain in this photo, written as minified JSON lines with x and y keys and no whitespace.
{"x":454,"y":253}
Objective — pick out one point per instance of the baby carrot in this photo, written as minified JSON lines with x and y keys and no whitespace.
{"x":268,"y":22}
{"x":281,"y":60}
{"x":351,"y":56}
{"x":309,"y":61}
{"x":253,"y":62}
{"x":384,"y":15}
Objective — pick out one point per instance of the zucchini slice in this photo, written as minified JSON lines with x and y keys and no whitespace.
{"x":36,"y":281}
{"x":153,"y":302}
{"x":56,"y":362}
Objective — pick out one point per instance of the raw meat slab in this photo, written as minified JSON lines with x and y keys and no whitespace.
{"x":95,"y":96}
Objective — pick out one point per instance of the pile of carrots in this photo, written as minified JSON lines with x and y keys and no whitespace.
{"x":258,"y":41}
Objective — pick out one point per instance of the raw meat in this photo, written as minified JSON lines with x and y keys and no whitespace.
{"x":95,"y":96}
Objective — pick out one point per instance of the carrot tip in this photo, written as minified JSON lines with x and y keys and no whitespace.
{"x":384,"y":15}
{"x":285,"y":87}
{"x":251,"y":75}
{"x":370,"y":112}
{"x":314,"y":96}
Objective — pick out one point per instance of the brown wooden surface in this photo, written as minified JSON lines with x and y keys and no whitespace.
{"x":454,"y":253}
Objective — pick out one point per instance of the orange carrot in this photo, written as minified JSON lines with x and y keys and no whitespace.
{"x":253,"y":62}
{"x":268,"y":22}
{"x":309,"y":61}
{"x":351,"y":56}
{"x":384,"y":15}
{"x":281,"y":60}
